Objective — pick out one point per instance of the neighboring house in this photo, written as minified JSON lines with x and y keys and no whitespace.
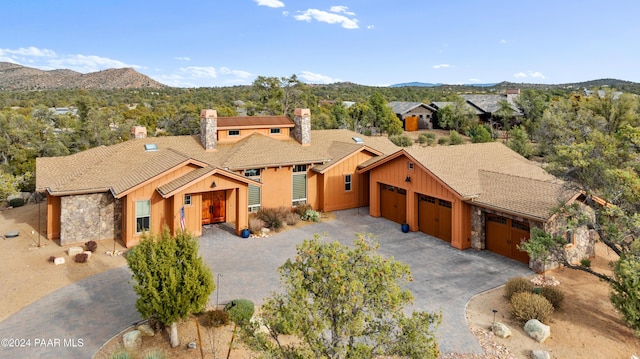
{"x":236,"y":166}
{"x":487,"y":105}
{"x":482,"y":196}
{"x":411,"y":113}
{"x":438,"y":105}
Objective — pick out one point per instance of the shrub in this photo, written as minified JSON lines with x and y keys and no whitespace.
{"x":301,"y":209}
{"x":155,"y":354}
{"x":81,"y":257}
{"x":16,"y":202}
{"x":517,"y":285}
{"x":311,"y":215}
{"x":91,"y":246}
{"x":526,"y":306}
{"x":240,"y":311}
{"x":479,"y":134}
{"x":401,"y":140}
{"x":553,"y":295}
{"x":215,"y":318}
{"x":427,"y":138}
{"x":585,"y":262}
{"x":455,"y":138}
{"x":291,"y":219}
{"x":272,"y":217}
{"x":443,"y":141}
{"x":255,"y":224}
{"x":120,"y":354}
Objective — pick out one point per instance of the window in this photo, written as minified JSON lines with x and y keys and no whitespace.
{"x":410,"y":165}
{"x":570,"y":237}
{"x":187,"y":199}
{"x":300,"y":168}
{"x":143,"y":216}
{"x":299,"y":185}
{"x":347,"y":183}
{"x":254,"y":191}
{"x":275,"y":131}
{"x":254,"y":172}
{"x":234,"y":133}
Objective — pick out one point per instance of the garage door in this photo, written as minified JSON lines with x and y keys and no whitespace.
{"x":503,"y":236}
{"x":393,"y":203}
{"x":434,"y":217}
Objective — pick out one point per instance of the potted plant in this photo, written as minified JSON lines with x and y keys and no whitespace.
{"x":245,"y":233}
{"x":405,"y":227}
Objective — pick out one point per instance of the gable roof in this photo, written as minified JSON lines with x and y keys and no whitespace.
{"x":402,"y":107}
{"x":489,"y":103}
{"x":490,"y":175}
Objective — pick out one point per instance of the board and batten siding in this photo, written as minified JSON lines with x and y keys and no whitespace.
{"x":223,"y":135}
{"x":335,"y":196}
{"x":395,"y":173}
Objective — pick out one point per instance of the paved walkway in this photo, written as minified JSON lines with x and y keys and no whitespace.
{"x":74,"y":321}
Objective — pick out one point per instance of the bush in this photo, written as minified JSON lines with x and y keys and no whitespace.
{"x":526,"y":306}
{"x":271,"y":217}
{"x":585,"y":262}
{"x":91,"y":246}
{"x":443,"y":141}
{"x":255,"y":224}
{"x":155,"y":354}
{"x":311,"y":215}
{"x":120,"y":354}
{"x":401,"y":140}
{"x":517,"y":285}
{"x":455,"y":138}
{"x":427,"y":138}
{"x":16,"y":202}
{"x":301,"y":209}
{"x":215,"y":318}
{"x":291,"y":219}
{"x":480,"y":134}
{"x":81,"y":257}
{"x":240,"y":311}
{"x":553,"y":295}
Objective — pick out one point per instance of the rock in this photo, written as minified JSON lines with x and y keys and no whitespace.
{"x":540,"y":354}
{"x":146,"y":330}
{"x":88,"y":253}
{"x":537,"y":330}
{"x":58,"y":260}
{"x":192,"y":345}
{"x":132,"y":339}
{"x":74,"y":250}
{"x":500,"y":330}
{"x":265,"y":231}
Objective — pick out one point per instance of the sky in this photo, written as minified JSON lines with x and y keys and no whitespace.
{"x":213,"y":43}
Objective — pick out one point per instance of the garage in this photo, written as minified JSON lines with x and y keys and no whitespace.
{"x":503,"y":236}
{"x":393,"y":203}
{"x":434,"y":217}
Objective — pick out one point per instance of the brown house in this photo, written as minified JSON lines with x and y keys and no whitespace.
{"x":235,"y":166}
{"x":482,"y":196}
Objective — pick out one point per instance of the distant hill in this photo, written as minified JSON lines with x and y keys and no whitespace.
{"x":427,"y":84}
{"x":18,"y":77}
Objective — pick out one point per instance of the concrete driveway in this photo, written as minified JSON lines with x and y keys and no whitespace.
{"x":444,"y":278}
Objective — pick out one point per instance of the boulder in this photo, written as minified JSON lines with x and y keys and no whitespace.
{"x":74,"y":250}
{"x":540,"y":354}
{"x":58,"y":260}
{"x":500,"y":330}
{"x":536,"y":330}
{"x":146,"y":330}
{"x":132,"y":339}
{"x":88,"y":253}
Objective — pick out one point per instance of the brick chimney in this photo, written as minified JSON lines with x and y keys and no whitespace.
{"x":302,"y":126}
{"x":138,"y":132}
{"x":209,"y":129}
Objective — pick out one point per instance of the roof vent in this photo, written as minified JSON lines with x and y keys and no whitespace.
{"x":357,"y":140}
{"x":150,"y":147}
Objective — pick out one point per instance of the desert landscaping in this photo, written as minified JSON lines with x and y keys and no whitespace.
{"x":585,"y":326}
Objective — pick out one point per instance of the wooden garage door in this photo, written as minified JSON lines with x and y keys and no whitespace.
{"x":503,"y":236}
{"x":434,"y":217}
{"x":393,"y":203}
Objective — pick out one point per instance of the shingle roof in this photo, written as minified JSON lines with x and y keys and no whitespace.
{"x":489,"y":103}
{"x":402,"y":107}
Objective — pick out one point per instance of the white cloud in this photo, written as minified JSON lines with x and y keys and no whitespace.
{"x":199,"y":72}
{"x":27,"y":52}
{"x":236,"y":73}
{"x":309,"y":76}
{"x":269,"y":3}
{"x":503,"y":41}
{"x":441,"y":66}
{"x":88,"y":63}
{"x":532,"y":74}
{"x":370,"y":27}
{"x":342,"y":9}
{"x":183,"y":58}
{"x":328,"y":17}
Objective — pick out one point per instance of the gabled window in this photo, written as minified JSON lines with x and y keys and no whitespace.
{"x":143,"y":216}
{"x":347,"y":183}
{"x":233,"y":133}
{"x":410,"y":166}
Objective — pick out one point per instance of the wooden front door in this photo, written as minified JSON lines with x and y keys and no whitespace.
{"x":213,"y":207}
{"x":503,"y":235}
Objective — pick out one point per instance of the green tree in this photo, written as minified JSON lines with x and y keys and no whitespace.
{"x":456,"y":116}
{"x":479,"y":134}
{"x":361,"y":117}
{"x":346,"y":302}
{"x":383,"y":116}
{"x":170,"y":278}
{"x":625,"y":295}
{"x":505,"y":114}
{"x":520,"y":142}
{"x":532,"y":104}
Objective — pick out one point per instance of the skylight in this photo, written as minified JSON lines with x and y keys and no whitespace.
{"x":357,"y":140}
{"x":150,"y":147}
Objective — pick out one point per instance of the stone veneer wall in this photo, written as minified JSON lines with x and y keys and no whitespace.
{"x":302,"y":129}
{"x":90,"y":217}
{"x":477,"y":228}
{"x":209,"y":129}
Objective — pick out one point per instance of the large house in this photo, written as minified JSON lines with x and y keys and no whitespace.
{"x":414,"y":115}
{"x":481,"y":196}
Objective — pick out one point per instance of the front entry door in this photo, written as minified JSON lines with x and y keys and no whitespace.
{"x":213,"y":207}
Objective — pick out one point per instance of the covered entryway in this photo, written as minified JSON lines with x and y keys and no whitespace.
{"x":503,"y":235}
{"x":214,"y":207}
{"x":393,"y":203}
{"x":434,"y":217}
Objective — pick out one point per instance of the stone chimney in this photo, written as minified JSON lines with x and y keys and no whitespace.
{"x":512,"y":94}
{"x":209,"y":129}
{"x":302,"y":128}
{"x":138,"y":132}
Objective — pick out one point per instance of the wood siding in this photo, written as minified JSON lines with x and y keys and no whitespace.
{"x":223,"y":135}
{"x":53,"y":216}
{"x":395,"y":173}
{"x":333,"y":194}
